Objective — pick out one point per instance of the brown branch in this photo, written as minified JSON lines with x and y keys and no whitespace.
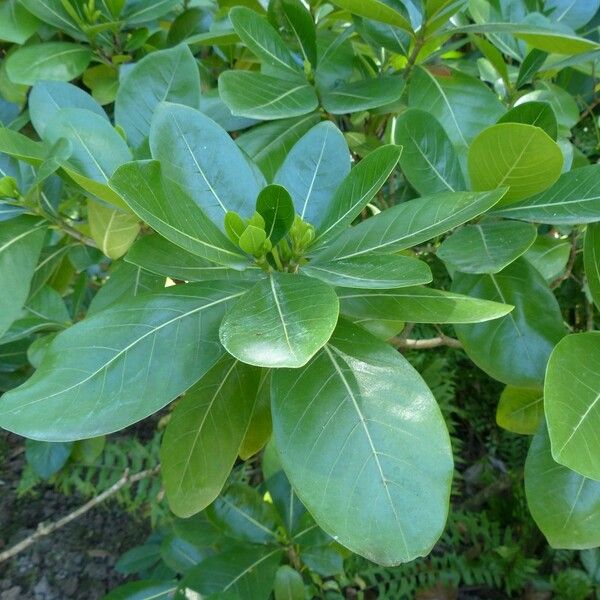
{"x":425,"y":344}
{"x":43,"y":529}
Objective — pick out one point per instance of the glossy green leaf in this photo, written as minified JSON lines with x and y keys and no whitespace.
{"x":574,"y":14}
{"x":368,"y":465}
{"x":206,"y":430}
{"x":96,"y":375}
{"x":258,"y":96}
{"x":591,"y":260}
{"x":288,"y":584}
{"x":486,"y":247}
{"x":276,"y":325}
{"x":516,"y":348}
{"x":549,"y":255}
{"x":363,"y":95}
{"x":573,"y":199}
{"x":572,"y":402}
{"x":53,"y":13}
{"x":180,"y":555}
{"x":162,"y":204}
{"x":520,"y":410}
{"x":47,"y":458}
{"x":376,"y":10}
{"x":522,"y":157}
{"x":143,"y":590}
{"x":275,"y":205}
{"x":48,"y":304}
{"x":313,"y":170}
{"x":428,"y":160}
{"x":54,"y":61}
{"x":371,"y":271}
{"x":141,"y":11}
{"x":253,"y":241}
{"x":16,"y":23}
{"x":114,"y":231}
{"x":565,"y":505}
{"x":539,"y":114}
{"x":21,"y":147}
{"x":260,"y":428}
{"x":21,"y":242}
{"x":410,"y":223}
{"x":300,"y":21}
{"x":204,"y":160}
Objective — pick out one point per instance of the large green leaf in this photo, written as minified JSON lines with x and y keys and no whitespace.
{"x":259,"y":96}
{"x":549,"y":255}
{"x":122,"y":365}
{"x":162,"y":204}
{"x":289,"y":584}
{"x":564,"y":504}
{"x":167,"y":75}
{"x":573,"y":199}
{"x":591,"y":260}
{"x":516,"y":348}
{"x":522,"y":157}
{"x":428,"y":160}
{"x":141,"y":11}
{"x":54,"y":61}
{"x":143,"y":590}
{"x":259,"y":429}
{"x":572,"y":402}
{"x":204,"y":434}
{"x":113,"y":230}
{"x":418,"y":305}
{"x":313,"y":169}
{"x":16,"y":23}
{"x":282,"y":322}
{"x":376,"y":10}
{"x":520,"y":410}
{"x":363,"y":95}
{"x":21,"y":242}
{"x":204,"y":160}
{"x":535,"y":113}
{"x":486,"y":247}
{"x":378,"y":449}
{"x":410,"y":223}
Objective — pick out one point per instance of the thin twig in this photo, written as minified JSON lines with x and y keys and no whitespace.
{"x":568,"y":268}
{"x":43,"y":529}
{"x":427,"y":343}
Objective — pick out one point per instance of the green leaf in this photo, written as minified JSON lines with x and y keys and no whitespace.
{"x":573,"y":199}
{"x":410,"y":223}
{"x":572,"y":402}
{"x":246,"y":572}
{"x":143,"y":590}
{"x":591,"y":260}
{"x":363,"y":95}
{"x":258,"y":96}
{"x":114,"y":231}
{"x":206,"y":430}
{"x":376,"y":10}
{"x":288,"y":584}
{"x":516,"y":348}
{"x":21,"y":147}
{"x":167,"y":75}
{"x":549,"y":256}
{"x":54,"y":61}
{"x":418,"y":305}
{"x":54,"y":13}
{"x":253,"y":241}
{"x":204,"y":160}
{"x":180,"y":555}
{"x":428,"y":160}
{"x":520,"y":410}
{"x":573,"y":14}
{"x":565,"y":505}
{"x":313,"y":169}
{"x":21,"y":242}
{"x":530,"y":66}
{"x":47,"y":458}
{"x":96,"y":376}
{"x":462,"y":104}
{"x":300,"y":22}
{"x":486,"y":247}
{"x":259,"y":429}
{"x":371,"y":271}
{"x":357,"y":190}
{"x":162,"y":204}
{"x":276,"y":325}
{"x":17,"y":24}
{"x":539,"y":114}
{"x":275,"y":205}
{"x":140,"y":11}
{"x":380,"y":471}
{"x":522,"y":157}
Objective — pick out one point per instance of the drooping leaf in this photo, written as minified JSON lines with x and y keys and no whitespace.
{"x":119,"y":366}
{"x":591,"y":260}
{"x":113,"y":230}
{"x":363,"y":95}
{"x":374,"y":437}
{"x":275,"y":205}
{"x":520,"y":410}
{"x":282,"y":322}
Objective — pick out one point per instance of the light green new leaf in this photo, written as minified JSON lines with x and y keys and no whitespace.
{"x":114,"y":231}
{"x":520,"y":410}
{"x":119,"y":366}
{"x":204,"y":434}
{"x":418,"y":305}
{"x":275,"y":205}
{"x":429,"y":160}
{"x":21,"y":242}
{"x":374,"y":437}
{"x":516,"y":348}
{"x":282,"y":322}
{"x":487,"y":247}
{"x":362,"y":95}
{"x":573,"y":199}
{"x":288,"y":584}
{"x":371,"y":271}
{"x":410,"y":223}
{"x":572,"y":403}
{"x":54,"y":61}
{"x":17,"y":24}
{"x":204,"y":160}
{"x":169,"y":75}
{"x":376,"y":10}
{"x":357,"y":190}
{"x":591,"y":260}
{"x":162,"y":204}
{"x":565,"y":505}
{"x":313,"y":170}
{"x":522,"y":157}
{"x":539,"y":114}
{"x":258,"y":96}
